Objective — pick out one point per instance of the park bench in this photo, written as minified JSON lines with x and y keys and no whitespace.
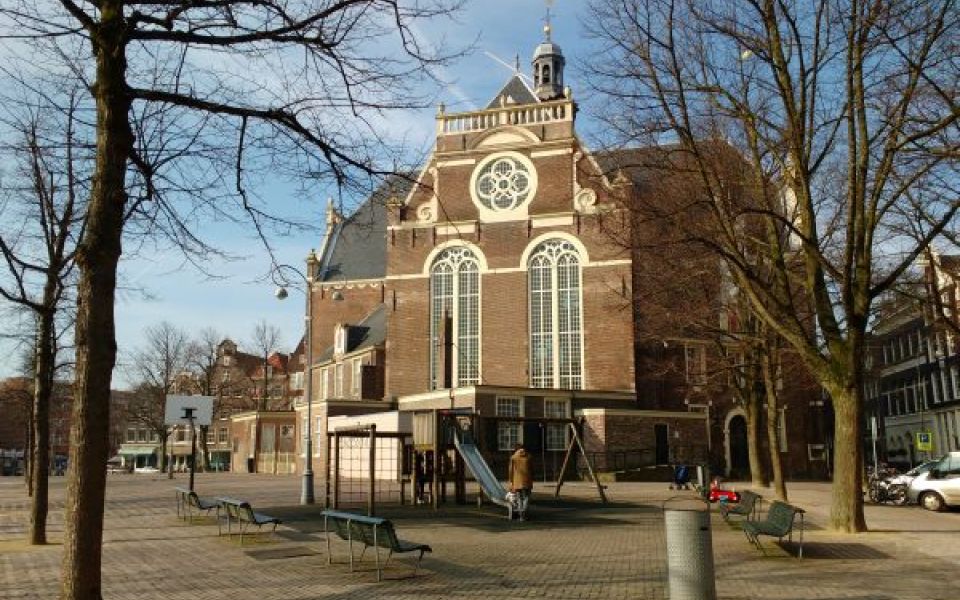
{"x":244,"y":515}
{"x":188,"y":503}
{"x":371,"y":532}
{"x":748,"y":506}
{"x":779,"y":523}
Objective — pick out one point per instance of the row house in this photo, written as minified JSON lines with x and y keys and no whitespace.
{"x":914,"y":364}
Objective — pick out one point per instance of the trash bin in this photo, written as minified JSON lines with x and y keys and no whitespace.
{"x":689,"y":550}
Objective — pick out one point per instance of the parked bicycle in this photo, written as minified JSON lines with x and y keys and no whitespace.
{"x":882,"y":488}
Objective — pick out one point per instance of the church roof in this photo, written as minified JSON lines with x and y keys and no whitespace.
{"x":358,"y":245}
{"x":368,"y":333}
{"x":515,"y":91}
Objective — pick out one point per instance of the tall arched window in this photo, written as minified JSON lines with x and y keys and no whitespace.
{"x":455,"y":296}
{"x":556,"y":331}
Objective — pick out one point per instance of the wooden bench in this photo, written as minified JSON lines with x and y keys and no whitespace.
{"x":241,"y":512}
{"x":371,"y":532}
{"x":188,"y":502}
{"x":779,"y":524}
{"x":748,"y":506}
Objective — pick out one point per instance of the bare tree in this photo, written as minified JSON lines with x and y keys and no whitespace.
{"x":265,"y":340}
{"x":843,"y":115}
{"x":202,"y":362}
{"x":313,"y":82}
{"x":155,"y":367}
{"x":41,"y":207}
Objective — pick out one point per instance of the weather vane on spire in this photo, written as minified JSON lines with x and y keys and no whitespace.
{"x":546,"y":27}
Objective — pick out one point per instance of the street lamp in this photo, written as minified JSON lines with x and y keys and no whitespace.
{"x":306,"y":491}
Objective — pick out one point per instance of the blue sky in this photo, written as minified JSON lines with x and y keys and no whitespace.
{"x":238,"y":299}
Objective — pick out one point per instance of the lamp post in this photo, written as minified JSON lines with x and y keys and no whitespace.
{"x":306,"y":490}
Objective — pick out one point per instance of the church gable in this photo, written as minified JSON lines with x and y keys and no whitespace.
{"x":515,"y":91}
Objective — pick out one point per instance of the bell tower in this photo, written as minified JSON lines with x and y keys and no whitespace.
{"x":548,"y":64}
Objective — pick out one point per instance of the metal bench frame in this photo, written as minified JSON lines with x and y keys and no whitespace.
{"x":243,"y":513}
{"x":371,"y":532}
{"x":754,"y":529}
{"x":748,"y":507}
{"x":188,"y":502}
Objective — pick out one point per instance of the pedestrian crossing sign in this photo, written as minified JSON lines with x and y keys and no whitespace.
{"x":924,"y":441}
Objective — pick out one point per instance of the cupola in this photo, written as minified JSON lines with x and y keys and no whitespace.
{"x":548,"y":68}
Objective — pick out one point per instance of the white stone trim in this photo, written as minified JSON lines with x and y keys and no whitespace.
{"x":537,"y":221}
{"x":581,"y":249}
{"x":519,"y":212}
{"x":736,"y":412}
{"x":503,"y":270}
{"x":467,"y":228}
{"x":459,"y":162}
{"x":627,"y":412}
{"x":428,"y":263}
{"x":558,"y":152}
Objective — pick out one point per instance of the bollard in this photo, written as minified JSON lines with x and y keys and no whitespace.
{"x":689,"y":553}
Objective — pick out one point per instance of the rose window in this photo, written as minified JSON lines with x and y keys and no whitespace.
{"x":503,"y":184}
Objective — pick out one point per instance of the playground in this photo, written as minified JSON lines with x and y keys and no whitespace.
{"x":447,"y":453}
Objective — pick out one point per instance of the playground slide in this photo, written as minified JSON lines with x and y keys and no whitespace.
{"x":489,"y":483}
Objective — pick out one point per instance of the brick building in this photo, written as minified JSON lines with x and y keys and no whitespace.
{"x":16,"y":395}
{"x":242,"y":384}
{"x":489,"y":280}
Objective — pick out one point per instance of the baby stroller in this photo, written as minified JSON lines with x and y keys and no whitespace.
{"x":681,"y":478}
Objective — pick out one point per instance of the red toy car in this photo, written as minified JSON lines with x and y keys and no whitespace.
{"x":718,"y":495}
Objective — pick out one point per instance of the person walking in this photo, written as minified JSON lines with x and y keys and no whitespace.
{"x":521,"y":478}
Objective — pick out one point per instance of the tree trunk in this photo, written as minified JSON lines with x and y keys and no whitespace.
{"x":758,"y":474}
{"x":773,"y":424}
{"x":96,"y":346}
{"x":162,"y":459}
{"x":42,"y":391}
{"x":28,"y":450}
{"x":846,"y":511}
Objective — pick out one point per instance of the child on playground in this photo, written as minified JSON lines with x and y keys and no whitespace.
{"x":521,"y":478}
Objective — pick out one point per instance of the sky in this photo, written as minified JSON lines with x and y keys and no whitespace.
{"x":239,"y":297}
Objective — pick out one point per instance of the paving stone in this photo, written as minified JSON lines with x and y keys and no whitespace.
{"x":575,"y":548}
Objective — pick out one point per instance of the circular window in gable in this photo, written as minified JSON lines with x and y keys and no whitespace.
{"x":503,"y":182}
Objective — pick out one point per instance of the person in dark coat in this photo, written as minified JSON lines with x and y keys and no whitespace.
{"x":521,"y":478}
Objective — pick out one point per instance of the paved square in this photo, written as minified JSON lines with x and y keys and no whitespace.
{"x":571,"y":549}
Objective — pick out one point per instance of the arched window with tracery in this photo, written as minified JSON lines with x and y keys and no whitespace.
{"x":455,"y":303}
{"x":556,"y":329}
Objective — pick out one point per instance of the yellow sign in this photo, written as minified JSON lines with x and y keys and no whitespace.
{"x":924,"y":441}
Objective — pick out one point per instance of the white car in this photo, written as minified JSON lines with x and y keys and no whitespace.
{"x":940,"y":486}
{"x":906,"y":478}
{"x":146,"y":470}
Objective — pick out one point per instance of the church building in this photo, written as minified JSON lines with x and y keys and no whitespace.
{"x":491,"y":281}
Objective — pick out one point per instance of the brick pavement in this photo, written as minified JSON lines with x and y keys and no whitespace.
{"x":573,"y":549}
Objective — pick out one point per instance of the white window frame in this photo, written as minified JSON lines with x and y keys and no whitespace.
{"x":338,"y":381}
{"x":458,"y":260}
{"x":131,"y":435}
{"x":695,"y":363}
{"x":509,"y":433}
{"x":551,"y":430}
{"x":223,"y":435}
{"x":549,"y":253}
{"x":357,"y":369}
{"x":955,"y":381}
